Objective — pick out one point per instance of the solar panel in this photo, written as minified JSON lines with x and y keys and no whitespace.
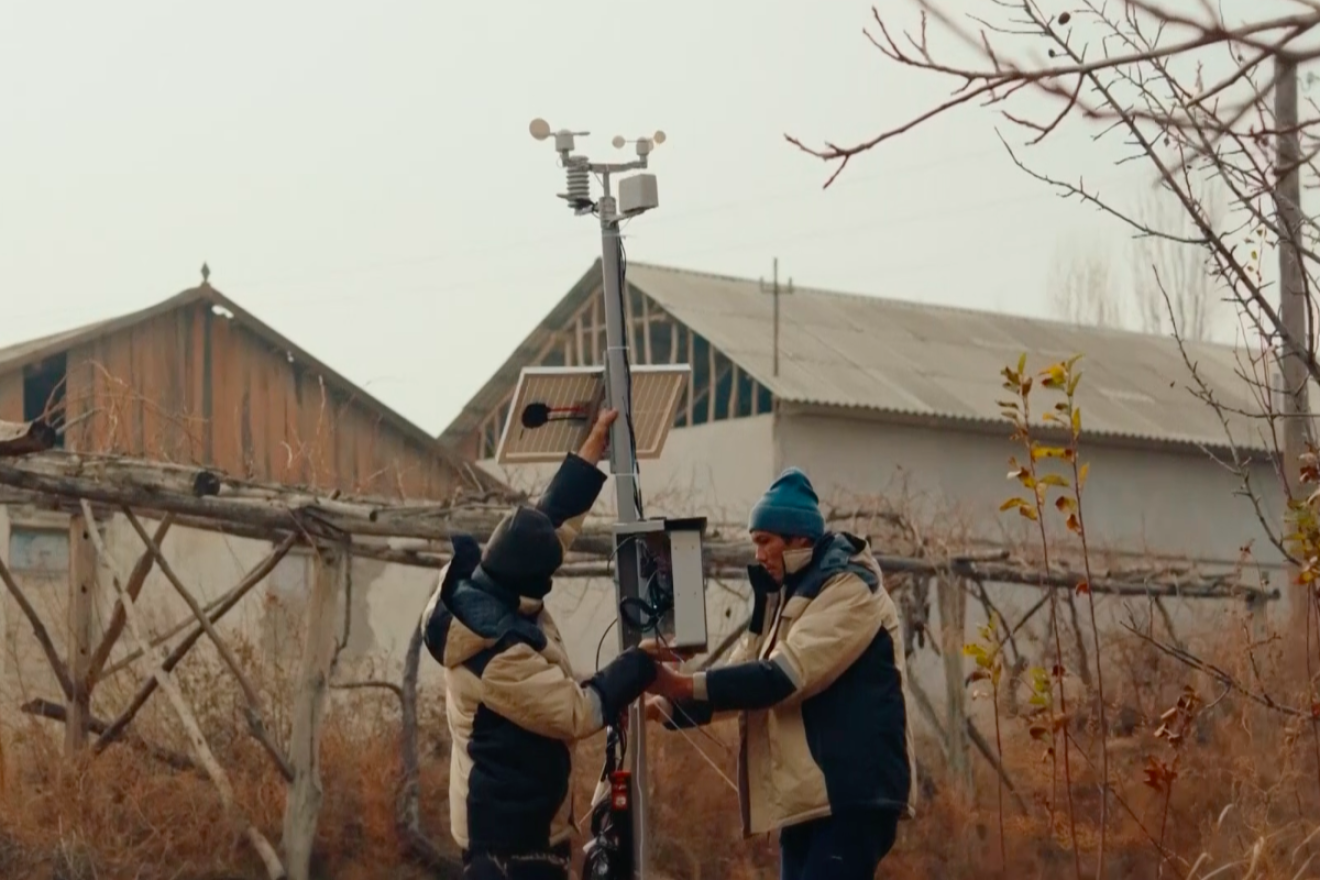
{"x":553,"y":409}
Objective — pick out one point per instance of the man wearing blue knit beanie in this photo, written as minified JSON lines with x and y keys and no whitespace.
{"x":826,"y":754}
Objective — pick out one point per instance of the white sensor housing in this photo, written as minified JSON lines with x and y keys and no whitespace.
{"x":638,"y":193}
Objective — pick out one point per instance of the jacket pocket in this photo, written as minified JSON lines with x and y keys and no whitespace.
{"x":796,"y":779}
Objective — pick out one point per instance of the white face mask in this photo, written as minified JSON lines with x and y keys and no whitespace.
{"x":797,"y":559}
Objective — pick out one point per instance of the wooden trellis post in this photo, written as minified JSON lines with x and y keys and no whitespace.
{"x":82,"y":595}
{"x":953,"y":632}
{"x":303,"y":807}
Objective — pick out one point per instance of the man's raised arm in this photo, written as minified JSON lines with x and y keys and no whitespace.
{"x":576,"y":485}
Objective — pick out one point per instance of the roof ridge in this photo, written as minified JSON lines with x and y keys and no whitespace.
{"x":918,"y":305}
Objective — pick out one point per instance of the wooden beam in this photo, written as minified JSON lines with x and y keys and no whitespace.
{"x":58,"y":712}
{"x":200,"y":498}
{"x":25,"y":438}
{"x":646,"y":329}
{"x":714,"y":383}
{"x":303,"y":808}
{"x":733,"y":390}
{"x":708,"y":393}
{"x":692,"y":375}
{"x":133,"y":588}
{"x":581,"y":356}
{"x":673,"y":338}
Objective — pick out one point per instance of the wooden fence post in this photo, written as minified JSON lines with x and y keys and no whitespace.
{"x":82,"y":595}
{"x":303,"y":807}
{"x":953,"y":623}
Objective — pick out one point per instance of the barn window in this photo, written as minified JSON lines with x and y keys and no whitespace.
{"x":43,"y":392}
{"x":40,"y":552}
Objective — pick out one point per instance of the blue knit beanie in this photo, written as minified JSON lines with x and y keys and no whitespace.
{"x":789,"y":508}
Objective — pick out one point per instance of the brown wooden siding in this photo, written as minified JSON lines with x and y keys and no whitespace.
{"x":11,"y":397}
{"x":193,"y":386}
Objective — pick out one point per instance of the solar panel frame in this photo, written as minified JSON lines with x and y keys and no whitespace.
{"x":656,"y":391}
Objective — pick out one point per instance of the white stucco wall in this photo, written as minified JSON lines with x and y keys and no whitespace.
{"x":1137,"y":501}
{"x":1176,"y":503}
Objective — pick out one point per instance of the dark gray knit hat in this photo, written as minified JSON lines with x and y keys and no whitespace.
{"x":524,"y":552}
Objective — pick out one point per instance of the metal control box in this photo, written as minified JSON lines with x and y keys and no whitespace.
{"x":670,"y":577}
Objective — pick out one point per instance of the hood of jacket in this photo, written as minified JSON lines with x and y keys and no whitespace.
{"x":833,"y":553}
{"x":471,"y":613}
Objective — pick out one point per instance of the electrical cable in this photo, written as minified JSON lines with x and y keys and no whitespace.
{"x":700,"y":728}
{"x":601,"y":644}
{"x":627,"y":366}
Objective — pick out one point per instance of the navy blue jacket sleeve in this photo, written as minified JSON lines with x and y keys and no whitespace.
{"x":758,"y":684}
{"x":622,"y":681}
{"x":572,"y":491}
{"x":688,"y":715}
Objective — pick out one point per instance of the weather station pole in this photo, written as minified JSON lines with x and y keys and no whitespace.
{"x":637,"y":194}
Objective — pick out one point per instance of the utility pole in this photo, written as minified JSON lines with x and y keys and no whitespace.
{"x":637,"y":194}
{"x":774,"y":290}
{"x":1293,"y":313}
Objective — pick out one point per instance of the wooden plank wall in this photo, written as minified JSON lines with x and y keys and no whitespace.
{"x":11,"y":397}
{"x":136,"y":392}
{"x":193,"y":386}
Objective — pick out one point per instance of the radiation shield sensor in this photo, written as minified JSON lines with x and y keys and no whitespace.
{"x":671,"y":595}
{"x":553,"y":409}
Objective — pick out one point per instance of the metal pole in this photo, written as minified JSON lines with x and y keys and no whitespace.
{"x":624,"y":468}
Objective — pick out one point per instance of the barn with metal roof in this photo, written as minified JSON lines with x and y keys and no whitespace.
{"x":875,"y":395}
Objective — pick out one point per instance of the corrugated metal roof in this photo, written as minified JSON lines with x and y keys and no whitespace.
{"x":918,"y":360}
{"x":914,"y":359}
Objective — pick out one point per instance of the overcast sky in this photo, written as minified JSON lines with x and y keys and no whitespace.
{"x":360,"y":176}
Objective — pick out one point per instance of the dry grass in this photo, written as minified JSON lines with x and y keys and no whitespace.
{"x":1245,"y":777}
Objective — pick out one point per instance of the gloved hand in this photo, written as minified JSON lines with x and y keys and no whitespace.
{"x":623,"y":680}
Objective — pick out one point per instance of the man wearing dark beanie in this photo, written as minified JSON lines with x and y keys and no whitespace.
{"x":515,"y":709}
{"x":826,"y":754}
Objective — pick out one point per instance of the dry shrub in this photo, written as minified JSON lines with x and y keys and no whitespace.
{"x":123,"y":814}
{"x":1246,"y":775}
{"x":1246,"y":782}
